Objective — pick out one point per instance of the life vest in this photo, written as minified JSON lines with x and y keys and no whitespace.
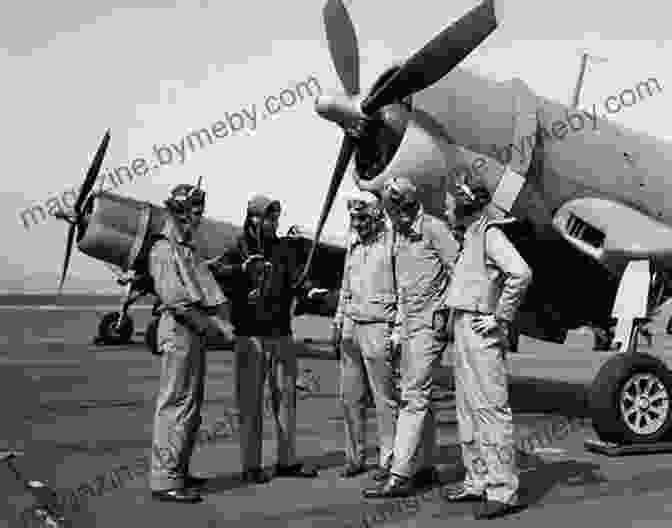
{"x":199,"y":285}
{"x":476,"y":284}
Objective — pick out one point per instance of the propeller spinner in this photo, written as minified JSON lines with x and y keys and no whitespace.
{"x":427,"y":66}
{"x":75,"y":220}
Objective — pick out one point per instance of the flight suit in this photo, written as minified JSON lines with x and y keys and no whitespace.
{"x":423,"y":264}
{"x":265,"y":348}
{"x":490,"y":277}
{"x":188,"y":294}
{"x":366,"y":313}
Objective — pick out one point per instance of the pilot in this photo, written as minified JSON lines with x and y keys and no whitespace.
{"x":191,"y":302}
{"x":423,"y":254}
{"x":363,"y":326}
{"x":489,"y":281}
{"x":264,"y":282}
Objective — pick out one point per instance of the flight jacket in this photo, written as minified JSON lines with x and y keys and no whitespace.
{"x":270,"y":314}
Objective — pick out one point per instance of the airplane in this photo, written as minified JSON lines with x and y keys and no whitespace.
{"x":118,"y":230}
{"x":591,"y":211}
{"x":592,"y":216}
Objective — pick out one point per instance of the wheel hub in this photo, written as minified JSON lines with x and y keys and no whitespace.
{"x":644,"y":404}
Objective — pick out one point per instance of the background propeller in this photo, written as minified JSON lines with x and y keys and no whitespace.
{"x":76,"y":219}
{"x":436,"y":59}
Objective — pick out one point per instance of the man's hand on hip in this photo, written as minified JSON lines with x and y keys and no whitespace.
{"x":482,"y":324}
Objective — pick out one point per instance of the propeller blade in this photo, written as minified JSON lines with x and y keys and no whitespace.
{"x":343,"y":46}
{"x":92,"y":173}
{"x":68,"y":252}
{"x":437,"y":58}
{"x":347,"y":149}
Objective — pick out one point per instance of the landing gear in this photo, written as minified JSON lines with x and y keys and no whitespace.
{"x":115,"y":328}
{"x":629,"y":399}
{"x":668,"y":328}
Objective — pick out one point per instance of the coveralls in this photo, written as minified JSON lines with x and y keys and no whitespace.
{"x":187,"y":290}
{"x":490,"y":277}
{"x":264,"y":343}
{"x":424,"y":258}
{"x":366,"y":312}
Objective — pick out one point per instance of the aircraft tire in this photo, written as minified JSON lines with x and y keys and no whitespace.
{"x":150,"y":336}
{"x":613,"y":395}
{"x":668,"y":329}
{"x":109,"y":335}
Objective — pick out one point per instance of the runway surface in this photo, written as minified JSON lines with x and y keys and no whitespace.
{"x":79,"y":412}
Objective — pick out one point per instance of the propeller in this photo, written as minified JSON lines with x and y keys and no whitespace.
{"x":344,"y":50}
{"x":436,"y":59}
{"x":75,"y":220}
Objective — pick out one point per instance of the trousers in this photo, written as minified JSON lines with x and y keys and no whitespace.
{"x":366,"y":371}
{"x":259,"y":358}
{"x":484,"y":417}
{"x":415,"y":439}
{"x":177,"y":418}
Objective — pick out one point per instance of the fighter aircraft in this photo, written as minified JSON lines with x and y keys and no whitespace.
{"x":593,"y":216}
{"x":118,"y":230}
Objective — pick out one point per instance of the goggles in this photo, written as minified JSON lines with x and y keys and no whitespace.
{"x":187,"y":201}
{"x":356,"y":205}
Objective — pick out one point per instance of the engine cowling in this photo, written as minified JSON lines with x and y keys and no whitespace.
{"x":116,"y":229}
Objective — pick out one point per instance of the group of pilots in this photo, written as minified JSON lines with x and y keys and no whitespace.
{"x":411,"y":284}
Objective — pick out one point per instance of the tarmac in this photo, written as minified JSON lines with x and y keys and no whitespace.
{"x":80,"y":412}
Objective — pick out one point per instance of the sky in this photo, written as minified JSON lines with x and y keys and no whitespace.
{"x":153,"y":71}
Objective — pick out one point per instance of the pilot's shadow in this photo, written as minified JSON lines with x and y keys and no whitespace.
{"x":539,"y":477}
{"x":226,"y":482}
{"x":327,"y":460}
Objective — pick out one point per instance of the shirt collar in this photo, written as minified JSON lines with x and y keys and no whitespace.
{"x":173,"y":232}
